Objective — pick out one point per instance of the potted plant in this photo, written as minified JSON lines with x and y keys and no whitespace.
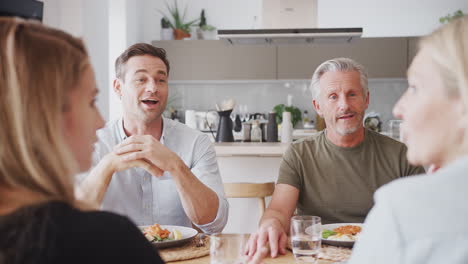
{"x":178,"y":24}
{"x":449,"y":17}
{"x":166,"y":31}
{"x":206,"y":31}
{"x":296,"y":115}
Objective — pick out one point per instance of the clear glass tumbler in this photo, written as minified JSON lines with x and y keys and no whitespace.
{"x":228,"y":248}
{"x":395,"y":131}
{"x":306,"y":238}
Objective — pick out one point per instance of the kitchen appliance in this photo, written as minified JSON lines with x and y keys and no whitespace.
{"x":289,"y":22}
{"x":372,"y":121}
{"x":206,"y":120}
{"x":224,"y":133}
{"x":190,"y":119}
{"x":290,"y":35}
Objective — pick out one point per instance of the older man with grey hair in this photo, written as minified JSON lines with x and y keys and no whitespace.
{"x":334,"y":173}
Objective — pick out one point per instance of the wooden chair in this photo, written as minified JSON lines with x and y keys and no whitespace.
{"x":250,"y":190}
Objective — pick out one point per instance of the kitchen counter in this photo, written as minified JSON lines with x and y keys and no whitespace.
{"x":270,"y":149}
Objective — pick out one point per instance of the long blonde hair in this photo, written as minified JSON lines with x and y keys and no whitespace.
{"x":448,"y":46}
{"x":39,"y":66}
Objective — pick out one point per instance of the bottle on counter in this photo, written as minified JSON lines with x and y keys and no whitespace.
{"x":256,"y":132}
{"x":272,"y":128}
{"x":237,"y":123}
{"x":286,"y":128}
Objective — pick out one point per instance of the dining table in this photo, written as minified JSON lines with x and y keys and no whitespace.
{"x":287,"y":258}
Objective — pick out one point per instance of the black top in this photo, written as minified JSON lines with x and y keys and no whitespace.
{"x":55,"y":232}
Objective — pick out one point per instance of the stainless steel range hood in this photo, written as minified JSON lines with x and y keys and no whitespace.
{"x":290,"y":36}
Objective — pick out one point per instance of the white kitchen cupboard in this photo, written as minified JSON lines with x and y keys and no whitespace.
{"x":215,"y":60}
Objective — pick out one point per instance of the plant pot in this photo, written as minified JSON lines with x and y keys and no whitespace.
{"x":180,"y":34}
{"x":209,"y":34}
{"x":199,"y":33}
{"x":167,"y":34}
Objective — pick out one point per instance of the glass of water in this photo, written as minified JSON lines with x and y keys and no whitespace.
{"x":228,"y":248}
{"x":306,"y":238}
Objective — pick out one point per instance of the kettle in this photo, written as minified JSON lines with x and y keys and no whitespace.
{"x":224,"y":133}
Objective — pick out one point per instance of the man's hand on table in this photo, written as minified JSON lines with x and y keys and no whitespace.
{"x":258,"y":256}
{"x":270,"y":233}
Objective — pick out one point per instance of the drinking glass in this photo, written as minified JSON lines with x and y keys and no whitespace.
{"x":395,"y":131}
{"x":228,"y":248}
{"x":306,"y":233}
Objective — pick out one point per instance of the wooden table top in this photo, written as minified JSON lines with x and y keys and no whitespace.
{"x":288,"y":258}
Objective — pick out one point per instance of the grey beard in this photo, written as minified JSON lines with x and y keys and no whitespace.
{"x":348,"y":131}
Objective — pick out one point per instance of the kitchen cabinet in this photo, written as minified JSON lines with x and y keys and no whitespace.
{"x":412,"y":49}
{"x":215,"y":60}
{"x":382,"y":57}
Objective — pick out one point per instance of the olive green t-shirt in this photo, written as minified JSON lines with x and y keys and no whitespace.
{"x":338,"y":183}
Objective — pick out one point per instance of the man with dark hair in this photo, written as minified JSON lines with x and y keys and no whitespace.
{"x":153,"y":169}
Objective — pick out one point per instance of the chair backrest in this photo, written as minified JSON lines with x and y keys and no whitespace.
{"x":250,"y":190}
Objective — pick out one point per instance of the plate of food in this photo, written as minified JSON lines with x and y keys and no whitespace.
{"x":342,"y":235}
{"x":163,"y":236}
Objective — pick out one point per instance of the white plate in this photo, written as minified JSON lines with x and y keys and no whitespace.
{"x":187,"y":235}
{"x":337,"y":242}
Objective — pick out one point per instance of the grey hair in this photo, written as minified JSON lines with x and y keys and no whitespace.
{"x":335,"y":65}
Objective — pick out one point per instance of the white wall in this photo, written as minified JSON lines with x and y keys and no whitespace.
{"x":65,"y":15}
{"x":379,"y":18}
{"x":95,"y":34}
{"x":87,"y":19}
{"x":223,"y":14}
{"x":387,"y":18}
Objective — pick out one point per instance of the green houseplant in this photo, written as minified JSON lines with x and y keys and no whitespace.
{"x":296,"y":115}
{"x":178,"y":22}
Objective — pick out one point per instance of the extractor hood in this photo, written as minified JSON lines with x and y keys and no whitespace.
{"x":290,"y":35}
{"x":289,"y":22}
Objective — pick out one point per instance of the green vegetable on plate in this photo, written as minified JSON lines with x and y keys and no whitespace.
{"x":326,"y":233}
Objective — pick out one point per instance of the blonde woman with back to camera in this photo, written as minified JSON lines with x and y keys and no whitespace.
{"x":49,"y":121}
{"x":423,"y":219}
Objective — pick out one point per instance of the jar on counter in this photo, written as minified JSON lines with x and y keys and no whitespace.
{"x":256,"y":132}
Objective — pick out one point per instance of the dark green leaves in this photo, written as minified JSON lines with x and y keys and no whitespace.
{"x":295,"y":113}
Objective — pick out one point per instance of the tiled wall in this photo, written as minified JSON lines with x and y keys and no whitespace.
{"x":262,"y":96}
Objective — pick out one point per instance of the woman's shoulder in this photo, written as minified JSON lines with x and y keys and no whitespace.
{"x":448,"y":179}
{"x":65,"y":231}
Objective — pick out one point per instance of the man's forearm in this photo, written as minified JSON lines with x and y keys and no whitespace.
{"x":200,"y":202}
{"x":94,"y":186}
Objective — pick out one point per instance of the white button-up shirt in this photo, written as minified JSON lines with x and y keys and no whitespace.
{"x":147,"y":199}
